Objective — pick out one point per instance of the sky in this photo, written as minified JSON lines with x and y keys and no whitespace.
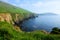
{"x":37,"y":6}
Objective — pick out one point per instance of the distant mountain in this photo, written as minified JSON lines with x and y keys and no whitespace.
{"x":48,"y":14}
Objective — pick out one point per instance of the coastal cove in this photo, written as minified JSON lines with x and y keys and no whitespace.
{"x":42,"y":22}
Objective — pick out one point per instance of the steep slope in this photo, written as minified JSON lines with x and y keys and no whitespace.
{"x":15,"y":13}
{"x":5,"y":7}
{"x":5,"y":17}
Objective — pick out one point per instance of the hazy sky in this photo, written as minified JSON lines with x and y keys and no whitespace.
{"x":37,"y":6}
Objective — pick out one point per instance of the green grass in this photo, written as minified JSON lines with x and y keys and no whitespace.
{"x":7,"y":32}
{"x":8,"y":8}
{"x":5,"y":7}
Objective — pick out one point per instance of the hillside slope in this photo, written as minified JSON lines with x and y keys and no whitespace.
{"x":5,"y":7}
{"x":16,"y":13}
{"x":7,"y":32}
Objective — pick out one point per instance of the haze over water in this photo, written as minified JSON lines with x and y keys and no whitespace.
{"x":42,"y":22}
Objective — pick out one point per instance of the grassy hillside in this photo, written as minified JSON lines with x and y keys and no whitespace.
{"x":5,"y":7}
{"x":8,"y":8}
{"x":13,"y":14}
{"x":7,"y":32}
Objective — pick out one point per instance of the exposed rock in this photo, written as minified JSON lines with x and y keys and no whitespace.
{"x":8,"y":18}
{"x":45,"y":32}
{"x":17,"y":17}
{"x":17,"y":28}
{"x":1,"y":18}
{"x":5,"y":17}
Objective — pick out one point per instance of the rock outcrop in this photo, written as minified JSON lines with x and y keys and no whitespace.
{"x":9,"y":18}
{"x":5,"y":17}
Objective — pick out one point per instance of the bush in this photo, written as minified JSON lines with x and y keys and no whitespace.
{"x":55,"y":30}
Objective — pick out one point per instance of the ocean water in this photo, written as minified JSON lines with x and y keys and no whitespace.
{"x":42,"y":22}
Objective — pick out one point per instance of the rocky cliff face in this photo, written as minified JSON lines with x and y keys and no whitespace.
{"x":5,"y":17}
{"x":13,"y":14}
{"x":9,"y":17}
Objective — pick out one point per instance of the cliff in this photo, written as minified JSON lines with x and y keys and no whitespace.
{"x":5,"y":17}
{"x":10,"y":13}
{"x":13,"y":15}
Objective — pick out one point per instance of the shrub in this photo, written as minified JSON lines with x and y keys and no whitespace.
{"x":55,"y":30}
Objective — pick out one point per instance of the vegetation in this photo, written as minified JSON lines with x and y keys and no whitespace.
{"x":13,"y":10}
{"x":5,"y":7}
{"x":55,"y":30}
{"x":7,"y":32}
